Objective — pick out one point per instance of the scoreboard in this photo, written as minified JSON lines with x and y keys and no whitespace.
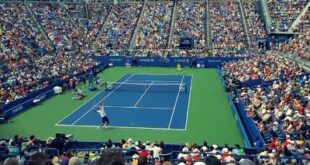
{"x":186,"y":43}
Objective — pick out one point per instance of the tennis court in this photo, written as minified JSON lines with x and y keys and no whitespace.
{"x":209,"y":116}
{"x":147,"y":101}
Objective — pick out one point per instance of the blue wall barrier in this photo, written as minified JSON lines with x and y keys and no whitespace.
{"x":236,"y":115}
{"x":240,"y":125}
{"x":25,"y":103}
{"x":253,"y":130}
{"x":208,"y":62}
{"x":214,"y":62}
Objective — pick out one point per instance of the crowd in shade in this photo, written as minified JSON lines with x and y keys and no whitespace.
{"x":281,"y":112}
{"x":267,"y":67}
{"x":304,"y":23}
{"x":119,"y":26}
{"x":284,"y":12}
{"x":153,"y":30}
{"x":129,"y":152}
{"x":226,"y":26}
{"x":297,"y":45}
{"x":189,"y":23}
{"x":255,"y":25}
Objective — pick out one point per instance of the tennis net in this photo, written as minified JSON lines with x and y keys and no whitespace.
{"x":146,"y":87}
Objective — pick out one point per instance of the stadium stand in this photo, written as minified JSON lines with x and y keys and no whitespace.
{"x":269,"y":67}
{"x":153,"y":31}
{"x":283,"y":13}
{"x":189,"y":23}
{"x":297,"y":45}
{"x":46,"y":42}
{"x":226,"y":26}
{"x":119,"y":26}
{"x":254,"y":23}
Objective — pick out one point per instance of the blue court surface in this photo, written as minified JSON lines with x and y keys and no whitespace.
{"x":138,"y":101}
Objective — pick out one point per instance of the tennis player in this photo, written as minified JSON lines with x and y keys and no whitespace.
{"x":104,"y":117}
{"x":179,"y":68}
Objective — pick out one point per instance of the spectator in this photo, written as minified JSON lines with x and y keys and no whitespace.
{"x":227,"y":34}
{"x":111,"y":158}
{"x":11,"y":161}
{"x":74,"y":161}
{"x":39,"y":158}
{"x":297,"y":45}
{"x":153,"y":31}
{"x":283,"y":13}
{"x":120,"y":26}
{"x":255,"y":26}
{"x":267,"y":67}
{"x":189,"y":23}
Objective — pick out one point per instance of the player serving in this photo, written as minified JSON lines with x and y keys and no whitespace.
{"x":179,"y":69}
{"x":104,"y":117}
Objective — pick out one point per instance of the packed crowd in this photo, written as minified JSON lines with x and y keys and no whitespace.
{"x":58,"y":26}
{"x":284,"y":12}
{"x":77,"y":14}
{"x":267,"y":67}
{"x":304,"y":23}
{"x":297,"y":45}
{"x":98,"y":13}
{"x":120,"y":26}
{"x":25,"y":74}
{"x":255,"y":25}
{"x":189,"y":23}
{"x":129,"y":152}
{"x":153,"y":30}
{"x":282,"y":113}
{"x":226,"y":26}
{"x":19,"y":34}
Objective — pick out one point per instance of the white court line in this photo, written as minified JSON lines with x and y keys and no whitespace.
{"x":188,"y":103}
{"x":144,"y":94}
{"x":175,"y":104}
{"x":85,"y":102}
{"x":155,"y":81}
{"x":102,"y":99}
{"x":159,"y":74}
{"x":125,"y":107}
{"x":146,"y":128}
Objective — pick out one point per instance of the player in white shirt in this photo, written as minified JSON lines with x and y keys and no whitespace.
{"x":104,"y":117}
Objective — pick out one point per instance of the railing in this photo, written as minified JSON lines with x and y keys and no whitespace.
{"x":244,"y":22}
{"x":38,"y":24}
{"x":292,"y":57}
{"x":208,"y":25}
{"x":133,"y":36}
{"x":102,"y":27}
{"x":266,"y":14}
{"x":172,"y":23}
